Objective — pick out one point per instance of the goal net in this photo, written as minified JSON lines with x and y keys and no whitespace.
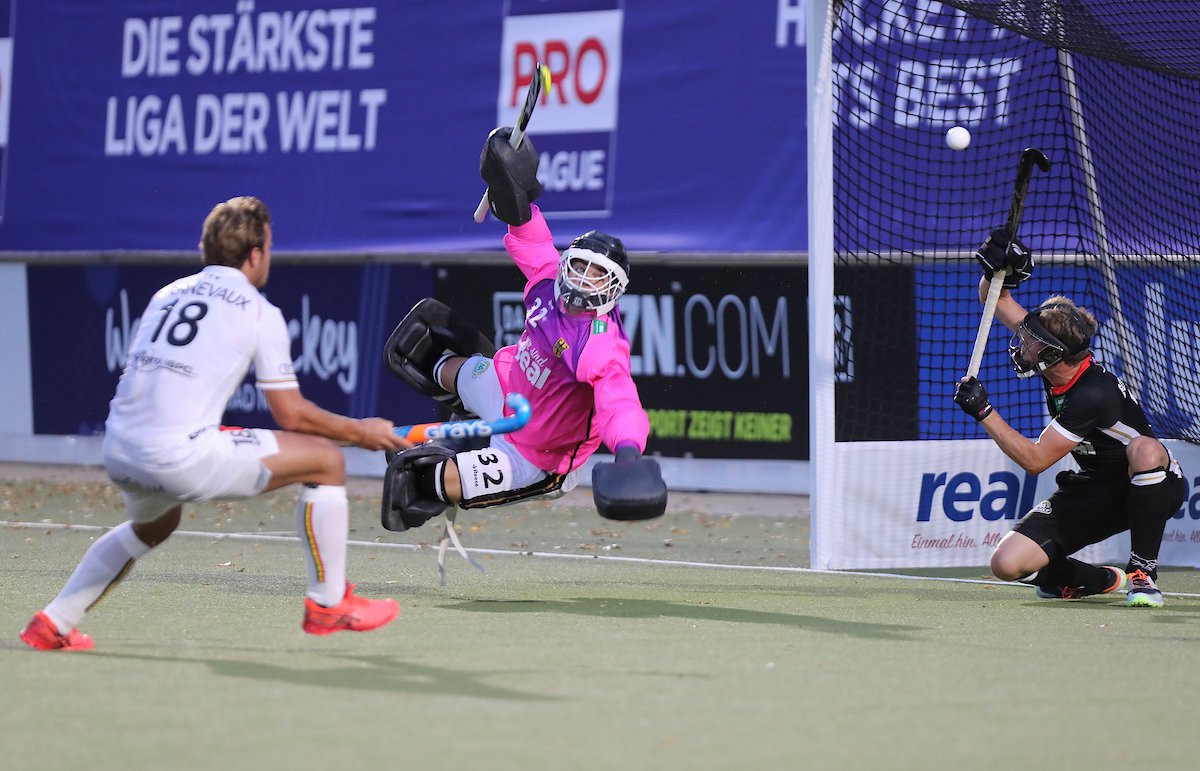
{"x":1110,"y":92}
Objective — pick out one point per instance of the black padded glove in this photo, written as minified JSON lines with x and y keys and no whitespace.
{"x":628,"y":453}
{"x":998,"y":253}
{"x":973,"y":398}
{"x":511,"y":176}
{"x":630,"y":488}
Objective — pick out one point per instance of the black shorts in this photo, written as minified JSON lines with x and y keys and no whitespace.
{"x":1084,"y":510}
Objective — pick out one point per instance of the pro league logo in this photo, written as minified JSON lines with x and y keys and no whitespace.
{"x":579,"y":41}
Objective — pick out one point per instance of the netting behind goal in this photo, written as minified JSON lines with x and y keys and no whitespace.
{"x":1110,"y":92}
{"x":1114,"y":224}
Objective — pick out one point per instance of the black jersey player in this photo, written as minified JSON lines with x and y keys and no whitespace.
{"x":1127,"y":478}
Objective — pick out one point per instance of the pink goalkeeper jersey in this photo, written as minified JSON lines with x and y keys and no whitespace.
{"x":574,"y":370}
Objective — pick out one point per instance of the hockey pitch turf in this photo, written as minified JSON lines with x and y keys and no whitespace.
{"x":698,"y":641}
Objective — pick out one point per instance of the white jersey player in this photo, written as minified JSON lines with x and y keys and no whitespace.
{"x":163,"y":443}
{"x":174,"y":389}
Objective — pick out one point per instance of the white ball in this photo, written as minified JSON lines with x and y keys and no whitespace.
{"x":958,"y":138}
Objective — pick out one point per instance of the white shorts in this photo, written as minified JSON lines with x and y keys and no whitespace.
{"x":478,"y":386}
{"x":217,"y":464}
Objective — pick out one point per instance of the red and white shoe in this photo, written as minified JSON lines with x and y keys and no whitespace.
{"x":352,"y":614}
{"x":41,"y":633}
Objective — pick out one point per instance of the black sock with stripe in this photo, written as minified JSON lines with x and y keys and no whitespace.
{"x":1154,"y":496}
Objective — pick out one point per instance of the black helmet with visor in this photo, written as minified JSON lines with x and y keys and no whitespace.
{"x":1034,"y":348}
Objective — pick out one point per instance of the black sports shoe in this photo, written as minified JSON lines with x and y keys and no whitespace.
{"x":1117,"y":582}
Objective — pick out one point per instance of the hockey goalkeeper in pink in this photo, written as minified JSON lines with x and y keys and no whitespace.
{"x":571,"y":363}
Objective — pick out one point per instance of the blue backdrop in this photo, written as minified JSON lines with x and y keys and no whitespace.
{"x":678,"y":125}
{"x":339,"y":316}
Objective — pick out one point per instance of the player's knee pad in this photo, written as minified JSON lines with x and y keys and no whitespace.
{"x":1155,"y":494}
{"x":487,"y":480}
{"x":485,"y":474}
{"x":424,"y":335}
{"x":410,"y":487}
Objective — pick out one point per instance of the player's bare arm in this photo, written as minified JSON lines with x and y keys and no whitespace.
{"x":293,"y":412}
{"x":1008,"y":311}
{"x":1033,"y":456}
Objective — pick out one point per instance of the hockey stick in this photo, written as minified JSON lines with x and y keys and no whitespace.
{"x":1029,"y":156}
{"x":540,"y":82}
{"x":423,"y":432}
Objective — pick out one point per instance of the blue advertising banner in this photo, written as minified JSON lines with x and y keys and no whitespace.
{"x":83,"y":317}
{"x":908,"y":70}
{"x":677,"y":126}
{"x":1166,"y":355}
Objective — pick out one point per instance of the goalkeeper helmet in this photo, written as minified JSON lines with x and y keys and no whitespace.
{"x":1034,"y":348}
{"x":592,"y":274}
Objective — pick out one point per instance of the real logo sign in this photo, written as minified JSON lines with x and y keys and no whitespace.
{"x":1191,"y":502}
{"x":964,"y":495}
{"x":1004,"y":496}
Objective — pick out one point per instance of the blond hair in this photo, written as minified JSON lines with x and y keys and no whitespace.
{"x":1070,"y":323}
{"x":232,"y":229}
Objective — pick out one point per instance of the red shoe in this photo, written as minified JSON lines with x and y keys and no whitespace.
{"x":41,"y":633}
{"x":353,"y":613}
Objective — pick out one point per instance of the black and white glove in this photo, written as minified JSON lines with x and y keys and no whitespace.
{"x":999,"y":253}
{"x":973,"y":398}
{"x":630,"y":488}
{"x":511,"y":176}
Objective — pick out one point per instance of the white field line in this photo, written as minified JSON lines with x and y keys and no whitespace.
{"x":213,"y":536}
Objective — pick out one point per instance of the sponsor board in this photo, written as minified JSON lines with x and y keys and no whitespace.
{"x":948,"y":504}
{"x":1181,"y":539}
{"x":361,"y":124}
{"x":870,"y":304}
{"x":718,"y":354}
{"x":924,"y":504}
{"x":338,"y":319}
{"x":1165,"y":351}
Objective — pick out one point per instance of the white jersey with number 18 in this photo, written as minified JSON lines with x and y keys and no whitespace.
{"x":193,"y":346}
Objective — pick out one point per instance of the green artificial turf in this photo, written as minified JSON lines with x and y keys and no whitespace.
{"x":566,"y":663}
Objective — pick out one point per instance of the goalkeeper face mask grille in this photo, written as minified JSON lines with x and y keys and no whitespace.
{"x":589,"y":282}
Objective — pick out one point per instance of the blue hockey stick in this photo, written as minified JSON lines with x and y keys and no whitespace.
{"x":423,"y":432}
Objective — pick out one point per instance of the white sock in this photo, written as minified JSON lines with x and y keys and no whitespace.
{"x":106,"y":562}
{"x":322,"y":521}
